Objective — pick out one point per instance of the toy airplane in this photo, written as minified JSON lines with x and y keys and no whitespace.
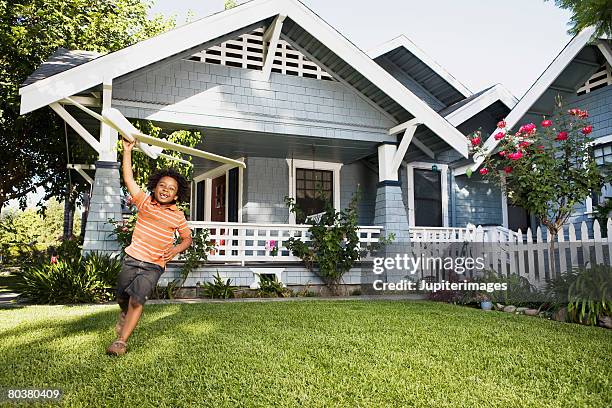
{"x":149,"y":145}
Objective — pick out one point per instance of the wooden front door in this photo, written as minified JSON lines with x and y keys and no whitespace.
{"x":218,"y":199}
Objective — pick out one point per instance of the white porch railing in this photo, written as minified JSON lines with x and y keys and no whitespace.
{"x":470,"y":233}
{"x":243,"y":242}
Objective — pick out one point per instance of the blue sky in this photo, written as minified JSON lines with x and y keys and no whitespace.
{"x":480,"y":42}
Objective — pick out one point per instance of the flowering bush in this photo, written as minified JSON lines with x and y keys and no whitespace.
{"x":546,"y":170}
{"x":123,"y":230}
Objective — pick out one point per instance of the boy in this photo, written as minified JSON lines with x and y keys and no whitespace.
{"x":152,"y":243}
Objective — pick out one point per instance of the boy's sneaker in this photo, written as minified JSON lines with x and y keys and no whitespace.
{"x":119,"y":325}
{"x":117,"y":348}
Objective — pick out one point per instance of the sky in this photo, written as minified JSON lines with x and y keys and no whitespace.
{"x":480,"y":42}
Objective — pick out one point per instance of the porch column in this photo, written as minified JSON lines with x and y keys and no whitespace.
{"x":105,"y":201}
{"x":390,"y":211}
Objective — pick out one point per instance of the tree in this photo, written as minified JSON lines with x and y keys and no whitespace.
{"x":587,"y":13}
{"x":547,"y":171}
{"x":31,"y":30}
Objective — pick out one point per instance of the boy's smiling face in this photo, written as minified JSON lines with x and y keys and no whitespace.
{"x":166,"y":190}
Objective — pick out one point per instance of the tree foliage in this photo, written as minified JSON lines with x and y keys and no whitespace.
{"x":30,"y":31}
{"x":24,"y":231}
{"x":587,"y":13}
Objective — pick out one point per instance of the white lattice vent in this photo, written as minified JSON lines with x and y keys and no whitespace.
{"x":601,"y":78}
{"x":246,"y":51}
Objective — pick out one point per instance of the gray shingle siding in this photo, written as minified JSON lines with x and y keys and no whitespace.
{"x":476,"y":202}
{"x":599,"y":105}
{"x":351,"y":176}
{"x":322,"y":108}
{"x":266,"y":183}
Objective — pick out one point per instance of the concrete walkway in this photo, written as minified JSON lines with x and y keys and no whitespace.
{"x":287,"y":299}
{"x":8,"y":298}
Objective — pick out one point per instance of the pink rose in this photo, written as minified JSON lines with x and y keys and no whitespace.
{"x":484,"y":171}
{"x":508,"y":169}
{"x":475,"y":141}
{"x":528,"y":128}
{"x":561,"y":136}
{"x":586,"y":130}
{"x":502,"y":153}
{"x":501,"y":124}
{"x":524,"y":144}
{"x":546,"y":123}
{"x":583,"y":114}
{"x":499,"y":136}
{"x":515,"y":156}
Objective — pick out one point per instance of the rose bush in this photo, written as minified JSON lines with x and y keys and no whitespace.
{"x":547,"y":170}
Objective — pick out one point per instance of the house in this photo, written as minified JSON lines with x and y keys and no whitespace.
{"x":271,"y":84}
{"x":581,"y":74}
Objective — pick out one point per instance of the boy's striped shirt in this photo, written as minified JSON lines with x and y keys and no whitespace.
{"x":155,"y":228}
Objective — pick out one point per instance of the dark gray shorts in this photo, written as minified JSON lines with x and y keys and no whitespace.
{"x":137,"y":279}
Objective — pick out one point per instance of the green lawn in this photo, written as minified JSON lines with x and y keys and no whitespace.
{"x":309,"y":353}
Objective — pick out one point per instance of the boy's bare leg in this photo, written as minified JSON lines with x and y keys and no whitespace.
{"x":131,"y":319}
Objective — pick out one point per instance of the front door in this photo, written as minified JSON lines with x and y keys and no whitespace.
{"x":427,"y":198}
{"x":217,"y":207}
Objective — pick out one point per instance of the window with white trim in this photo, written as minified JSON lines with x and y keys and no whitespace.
{"x":312,"y":184}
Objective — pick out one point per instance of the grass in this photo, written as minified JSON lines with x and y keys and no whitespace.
{"x":308,"y":353}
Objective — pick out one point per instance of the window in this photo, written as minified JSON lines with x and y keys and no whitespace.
{"x":311,"y":184}
{"x":313,"y":189}
{"x":427,"y":198}
{"x":603,"y":154}
{"x":427,"y":194}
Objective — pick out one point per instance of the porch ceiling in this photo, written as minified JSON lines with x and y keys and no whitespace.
{"x":235,"y":144}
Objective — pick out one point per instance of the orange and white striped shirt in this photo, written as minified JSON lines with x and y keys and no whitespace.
{"x":155,"y":228}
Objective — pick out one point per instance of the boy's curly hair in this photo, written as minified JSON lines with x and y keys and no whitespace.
{"x":183,"y":184}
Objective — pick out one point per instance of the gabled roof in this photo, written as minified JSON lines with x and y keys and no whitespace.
{"x":61,"y":60}
{"x":463,"y":110}
{"x":405,"y":54}
{"x":565,"y":74}
{"x":302,"y":27}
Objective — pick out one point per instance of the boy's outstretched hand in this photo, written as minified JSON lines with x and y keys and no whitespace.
{"x":128,"y":146}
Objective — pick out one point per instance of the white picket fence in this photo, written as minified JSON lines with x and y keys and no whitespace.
{"x":525,"y":254}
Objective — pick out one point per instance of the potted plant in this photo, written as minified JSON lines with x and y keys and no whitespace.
{"x":484,"y":300}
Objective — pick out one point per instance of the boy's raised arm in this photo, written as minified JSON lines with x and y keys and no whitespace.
{"x":126,"y":168}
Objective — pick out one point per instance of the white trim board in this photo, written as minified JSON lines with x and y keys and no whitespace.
{"x":443,"y":168}
{"x":536,"y":90}
{"x":480,"y":103}
{"x":403,"y":41}
{"x":207,"y":177}
{"x":191,"y":35}
{"x":313,"y":165}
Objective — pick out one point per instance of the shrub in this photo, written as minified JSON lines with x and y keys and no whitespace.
{"x":87,"y":279}
{"x":334,"y":245}
{"x":519,"y":291}
{"x":269,"y":286}
{"x":219,"y":289}
{"x":587,"y":293}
